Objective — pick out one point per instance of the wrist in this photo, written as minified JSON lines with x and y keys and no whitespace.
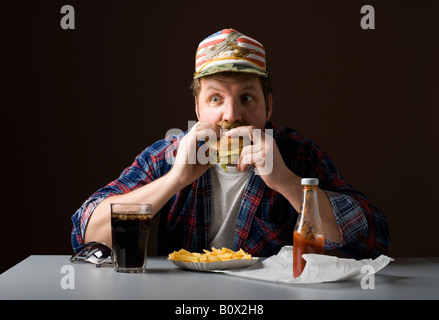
{"x":174,"y":180}
{"x":287,"y":181}
{"x":290,"y":187}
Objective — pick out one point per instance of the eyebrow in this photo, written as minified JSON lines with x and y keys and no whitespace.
{"x":249,"y":87}
{"x":210,"y":87}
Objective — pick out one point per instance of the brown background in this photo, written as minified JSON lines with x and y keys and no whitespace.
{"x":79,"y":105}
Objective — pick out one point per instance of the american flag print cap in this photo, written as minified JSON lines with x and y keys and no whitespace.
{"x":229,"y":51}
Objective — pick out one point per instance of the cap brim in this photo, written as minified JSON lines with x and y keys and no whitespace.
{"x":231,"y":67}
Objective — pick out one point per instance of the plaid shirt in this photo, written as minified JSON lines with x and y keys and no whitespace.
{"x":266,"y":219}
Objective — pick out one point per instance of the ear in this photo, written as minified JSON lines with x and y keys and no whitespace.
{"x":270,"y":106}
{"x":196,"y":108}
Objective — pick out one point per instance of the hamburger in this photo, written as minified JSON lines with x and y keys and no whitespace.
{"x":225,"y":149}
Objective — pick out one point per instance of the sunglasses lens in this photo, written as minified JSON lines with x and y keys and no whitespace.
{"x":98,"y":253}
{"x":94,"y":252}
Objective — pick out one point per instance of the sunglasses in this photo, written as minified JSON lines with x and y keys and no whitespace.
{"x":94,"y":252}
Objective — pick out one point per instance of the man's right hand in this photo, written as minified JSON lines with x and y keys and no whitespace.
{"x":187,"y":167}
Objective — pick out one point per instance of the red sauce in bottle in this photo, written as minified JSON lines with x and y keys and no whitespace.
{"x":302,"y":246}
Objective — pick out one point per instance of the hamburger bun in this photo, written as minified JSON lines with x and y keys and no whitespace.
{"x":225,"y":149}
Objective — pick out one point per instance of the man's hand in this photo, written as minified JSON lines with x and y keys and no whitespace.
{"x":190,"y":162}
{"x":264,"y":156}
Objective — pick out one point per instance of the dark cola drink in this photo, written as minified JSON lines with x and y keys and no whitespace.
{"x":130,"y":240}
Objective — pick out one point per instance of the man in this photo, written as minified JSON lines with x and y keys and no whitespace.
{"x":248,"y":207}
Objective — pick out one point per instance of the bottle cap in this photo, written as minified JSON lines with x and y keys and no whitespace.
{"x":310,"y":181}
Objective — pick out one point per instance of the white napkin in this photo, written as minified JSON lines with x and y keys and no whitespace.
{"x":318,"y":268}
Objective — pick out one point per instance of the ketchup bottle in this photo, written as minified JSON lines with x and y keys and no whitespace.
{"x":308,"y":233}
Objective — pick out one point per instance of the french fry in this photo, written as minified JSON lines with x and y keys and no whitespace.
{"x":222,"y":254}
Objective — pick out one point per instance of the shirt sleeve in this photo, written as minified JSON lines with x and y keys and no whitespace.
{"x":362,"y":224}
{"x":153,"y":162}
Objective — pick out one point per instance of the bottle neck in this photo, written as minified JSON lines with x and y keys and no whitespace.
{"x":309,"y":201}
{"x":309,"y":191}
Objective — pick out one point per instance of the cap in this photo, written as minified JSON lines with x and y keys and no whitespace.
{"x":229,"y":51}
{"x":310,"y":181}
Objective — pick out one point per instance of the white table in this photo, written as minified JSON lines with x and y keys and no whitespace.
{"x":43,"y":277}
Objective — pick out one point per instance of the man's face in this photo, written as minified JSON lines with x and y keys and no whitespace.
{"x":232,"y":98}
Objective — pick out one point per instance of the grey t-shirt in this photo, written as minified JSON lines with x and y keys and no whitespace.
{"x":227,"y":189}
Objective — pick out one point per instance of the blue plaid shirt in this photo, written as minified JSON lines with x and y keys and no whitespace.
{"x":266,"y":219}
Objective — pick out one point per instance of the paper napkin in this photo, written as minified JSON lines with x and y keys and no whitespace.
{"x":319,"y":268}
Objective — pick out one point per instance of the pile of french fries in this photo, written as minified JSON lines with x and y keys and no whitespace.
{"x":209,"y":256}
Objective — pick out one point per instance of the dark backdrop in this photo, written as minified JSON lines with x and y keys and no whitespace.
{"x":78,"y":105}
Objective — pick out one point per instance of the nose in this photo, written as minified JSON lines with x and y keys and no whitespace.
{"x":232,"y":110}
